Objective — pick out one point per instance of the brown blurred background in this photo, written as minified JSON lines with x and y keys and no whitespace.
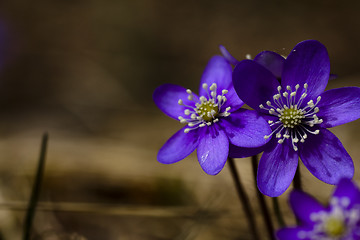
{"x":84,"y":71}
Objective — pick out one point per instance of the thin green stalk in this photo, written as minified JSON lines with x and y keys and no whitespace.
{"x":277,"y":211}
{"x":30,"y":213}
{"x":261,"y":198}
{"x":245,"y":203}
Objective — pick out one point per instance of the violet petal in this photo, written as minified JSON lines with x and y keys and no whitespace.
{"x":245,"y":128}
{"x":339,"y":106}
{"x":227,"y":55}
{"x":271,"y":61}
{"x":218,"y":71}
{"x":213,"y":150}
{"x":347,"y":189}
{"x":179,"y":146}
{"x":292,"y":233}
{"x":303,"y":205}
{"x":166,"y":97}
{"x":307,"y":63}
{"x":326,"y":158}
{"x":254,"y":84}
{"x":277,"y":168}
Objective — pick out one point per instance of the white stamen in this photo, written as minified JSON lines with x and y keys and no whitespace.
{"x":294,"y":118}
{"x":207,"y":110}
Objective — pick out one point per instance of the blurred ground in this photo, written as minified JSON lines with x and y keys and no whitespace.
{"x":84,"y":71}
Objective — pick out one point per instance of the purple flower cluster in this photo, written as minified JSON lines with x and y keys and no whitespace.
{"x":290,"y":116}
{"x":214,"y":121}
{"x":340,"y":220}
{"x":298,"y":112}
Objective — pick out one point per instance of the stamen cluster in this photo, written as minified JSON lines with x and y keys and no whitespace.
{"x":294,"y":121}
{"x":206,"y":111}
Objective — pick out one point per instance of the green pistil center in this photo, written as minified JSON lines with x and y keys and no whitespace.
{"x":291,"y":117}
{"x":334,"y":227}
{"x":208,"y":110}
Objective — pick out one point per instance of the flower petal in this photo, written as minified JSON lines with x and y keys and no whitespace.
{"x":292,"y":233}
{"x":277,"y":168}
{"x":339,"y":106}
{"x":227,"y":55}
{"x":218,"y":70}
{"x":254,"y":83}
{"x":179,"y":146}
{"x":303,"y":205}
{"x":347,"y":189}
{"x":271,"y":61}
{"x":166,"y":97}
{"x":326,"y":158}
{"x":245,"y":128}
{"x":213,"y":150}
{"x":233,"y":100}
{"x":241,"y":152}
{"x":307,"y":63}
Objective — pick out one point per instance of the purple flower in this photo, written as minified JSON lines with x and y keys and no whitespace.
{"x":214,"y":121}
{"x":339,"y":221}
{"x":299,"y":111}
{"x":268,"y":59}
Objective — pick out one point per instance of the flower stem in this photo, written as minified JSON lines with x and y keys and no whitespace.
{"x":297,"y":179}
{"x":277,"y":211}
{"x":30,"y":213}
{"x":297,"y":185}
{"x":244,"y":199}
{"x":263,"y":206}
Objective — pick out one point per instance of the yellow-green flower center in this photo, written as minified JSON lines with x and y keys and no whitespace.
{"x":208,"y":110}
{"x":334,"y":227}
{"x":291,"y":117}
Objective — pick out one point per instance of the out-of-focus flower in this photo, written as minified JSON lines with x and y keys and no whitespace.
{"x":213,"y":121}
{"x":299,"y":111}
{"x":339,"y":221}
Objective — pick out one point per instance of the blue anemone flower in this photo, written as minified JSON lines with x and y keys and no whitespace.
{"x":214,"y":120}
{"x":298,"y":112}
{"x":338,"y":221}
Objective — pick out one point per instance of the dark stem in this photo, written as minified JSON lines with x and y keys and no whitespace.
{"x":277,"y":211}
{"x":263,"y":206}
{"x":297,"y":184}
{"x":30,"y":213}
{"x":297,"y":179}
{"x":243,"y":199}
